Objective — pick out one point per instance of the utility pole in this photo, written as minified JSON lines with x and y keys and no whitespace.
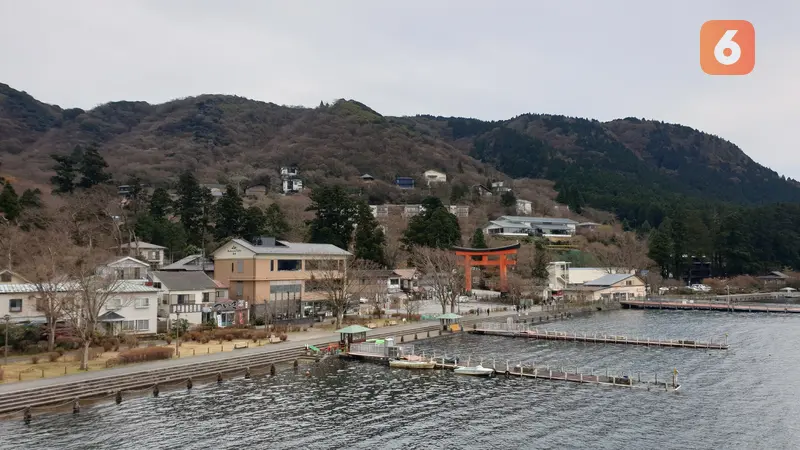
{"x":178,"y":333}
{"x":7,"y":318}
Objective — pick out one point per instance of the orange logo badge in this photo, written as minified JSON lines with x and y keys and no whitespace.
{"x":727,"y":47}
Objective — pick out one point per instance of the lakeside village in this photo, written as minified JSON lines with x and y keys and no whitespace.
{"x":263,"y":289}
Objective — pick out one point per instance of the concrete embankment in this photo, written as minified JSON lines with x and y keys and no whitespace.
{"x":26,"y":398}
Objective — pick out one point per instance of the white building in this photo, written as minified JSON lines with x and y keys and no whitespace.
{"x":130,"y":309}
{"x":10,"y":277}
{"x":459,"y":210}
{"x":412,"y":210}
{"x":432,"y":176}
{"x":192,"y":263}
{"x":292,"y":185}
{"x":379,"y":210}
{"x":524,"y":207}
{"x":186,"y":288}
{"x":128,"y":268}
{"x":289,"y":171}
{"x":548,"y":227}
{"x":153,"y":254}
{"x":618,"y":287}
{"x":581,"y":275}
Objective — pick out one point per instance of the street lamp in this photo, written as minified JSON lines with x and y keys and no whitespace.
{"x":7,"y":318}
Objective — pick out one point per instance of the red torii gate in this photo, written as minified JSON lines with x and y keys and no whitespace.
{"x":498,"y":256}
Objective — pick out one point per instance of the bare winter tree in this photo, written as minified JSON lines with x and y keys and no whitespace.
{"x":342,"y":282}
{"x":629,"y":253}
{"x":411,"y":302}
{"x":49,"y":256}
{"x":441,"y":270}
{"x":517,"y":287}
{"x":92,"y":287}
{"x":12,"y":238}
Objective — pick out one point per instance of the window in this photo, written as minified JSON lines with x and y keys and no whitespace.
{"x":153,"y":255}
{"x":135,"y":325}
{"x":142,"y":303}
{"x":240,"y":266}
{"x":629,"y":283}
{"x":157,"y":284}
{"x":114,"y":303}
{"x":271,"y":265}
{"x":137,"y":273}
{"x":239,"y":289}
{"x":15,"y":305}
{"x":206,"y":297}
{"x":185,"y":299}
{"x":120,"y":274}
{"x":289,"y":264}
{"x":5,"y":277}
{"x":220,"y":294}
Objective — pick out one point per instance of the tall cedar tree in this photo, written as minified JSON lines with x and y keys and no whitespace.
{"x":66,"y":169}
{"x":229,"y":215}
{"x":369,"y":238}
{"x":9,"y":203}
{"x":478,"y":239}
{"x":160,"y":203}
{"x":254,"y":223}
{"x":275,"y":223}
{"x":333,"y":220}
{"x":434,"y":227}
{"x":31,"y":198}
{"x":194,"y":207}
{"x":92,"y":167}
{"x":660,"y":249}
{"x":508,"y":199}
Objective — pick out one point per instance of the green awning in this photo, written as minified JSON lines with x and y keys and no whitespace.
{"x":450,"y":316}
{"x":353,"y":329}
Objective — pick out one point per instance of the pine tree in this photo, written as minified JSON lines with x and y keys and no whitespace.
{"x":66,"y":170}
{"x":229,"y":214}
{"x":434,"y":227}
{"x":369,"y":239}
{"x":660,"y":250}
{"x":194,"y":207}
{"x":478,"y":239}
{"x":275,"y":223}
{"x":254,"y":223}
{"x":92,"y":168}
{"x":160,"y":203}
{"x":333,"y":219}
{"x":508,"y":199}
{"x":9,"y":203}
{"x":31,"y":198}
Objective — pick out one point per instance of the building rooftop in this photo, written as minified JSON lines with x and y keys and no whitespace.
{"x":189,"y":263}
{"x":539,"y":220}
{"x":142,"y":245}
{"x":608,"y":280}
{"x":184,"y":281}
{"x":121,"y":287}
{"x":292,"y":248}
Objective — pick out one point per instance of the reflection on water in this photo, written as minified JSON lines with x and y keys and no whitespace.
{"x":746,"y":398}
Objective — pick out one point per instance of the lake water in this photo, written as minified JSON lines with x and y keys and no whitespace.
{"x":745,"y":398}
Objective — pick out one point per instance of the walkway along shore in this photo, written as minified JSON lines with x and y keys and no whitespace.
{"x":710,"y":306}
{"x":47,"y":394}
{"x":525,"y":331}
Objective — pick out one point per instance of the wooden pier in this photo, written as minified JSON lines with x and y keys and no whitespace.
{"x":523,"y":331}
{"x":710,"y":306}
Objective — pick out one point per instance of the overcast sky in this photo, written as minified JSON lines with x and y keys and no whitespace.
{"x":484,"y":59}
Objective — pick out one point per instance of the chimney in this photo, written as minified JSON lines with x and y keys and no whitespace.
{"x":264,"y":241}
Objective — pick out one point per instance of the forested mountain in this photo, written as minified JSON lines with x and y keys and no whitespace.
{"x":643,"y":171}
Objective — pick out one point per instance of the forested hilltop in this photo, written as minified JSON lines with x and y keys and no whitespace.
{"x":690,"y":192}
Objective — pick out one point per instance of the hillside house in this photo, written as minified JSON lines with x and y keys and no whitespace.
{"x":588,"y":226}
{"x":581,"y":275}
{"x":10,"y":277}
{"x":552,"y":228}
{"x":292,"y":185}
{"x":151,"y":253}
{"x":258,"y":190}
{"x":404,"y":182}
{"x":482,"y":191}
{"x":216,"y":189}
{"x":775,"y":279}
{"x":432,"y":176}
{"x":500,"y":187}
{"x":619,"y":287}
{"x":128,"y":268}
{"x":289,"y":171}
{"x":367,"y":178}
{"x":460,"y":211}
{"x":379,"y":210}
{"x":524,"y":207}
{"x":412,"y":210}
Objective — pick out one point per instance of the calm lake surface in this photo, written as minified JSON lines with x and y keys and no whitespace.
{"x":744,"y":398}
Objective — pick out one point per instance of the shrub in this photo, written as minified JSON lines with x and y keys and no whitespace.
{"x":283,"y":336}
{"x":294,"y":328}
{"x":2,"y":373}
{"x":60,"y":351}
{"x":34,"y":360}
{"x":146,"y":354}
{"x":168,"y":340}
{"x":229,"y":337}
{"x":204,"y":340}
{"x":108,"y":346}
{"x":67,"y":343}
{"x":53,"y":356}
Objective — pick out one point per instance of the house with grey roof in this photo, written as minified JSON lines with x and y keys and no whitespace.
{"x":151,"y":253}
{"x":191,"y":263}
{"x":609,"y":287}
{"x":186,"y":288}
{"x":553,"y":228}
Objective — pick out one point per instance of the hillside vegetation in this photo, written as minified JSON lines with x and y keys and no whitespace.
{"x":703,"y":195}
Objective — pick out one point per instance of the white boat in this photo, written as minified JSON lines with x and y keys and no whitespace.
{"x":405,"y":364}
{"x":477,"y":371}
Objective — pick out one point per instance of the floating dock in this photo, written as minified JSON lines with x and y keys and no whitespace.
{"x":523,"y":331}
{"x":710,"y":306}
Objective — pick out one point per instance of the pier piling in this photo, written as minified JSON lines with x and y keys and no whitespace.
{"x":118,"y":397}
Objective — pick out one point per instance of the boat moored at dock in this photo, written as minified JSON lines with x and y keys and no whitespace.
{"x":475,"y":371}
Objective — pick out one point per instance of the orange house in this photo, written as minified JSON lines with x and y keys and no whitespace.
{"x":269,"y":270}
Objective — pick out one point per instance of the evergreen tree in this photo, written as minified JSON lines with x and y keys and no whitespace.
{"x":660,"y":249}
{"x":369,"y":239}
{"x":434,"y":227}
{"x":679,"y":237}
{"x":539,"y":271}
{"x":66,"y":170}
{"x":333,"y":222}
{"x":508,"y":199}
{"x":160,"y":203}
{"x":254,"y":223}
{"x":229,"y":214}
{"x":31,"y":198}
{"x":575,"y":200}
{"x":9,"y":203}
{"x":161,"y":231}
{"x":275,"y":223}
{"x":478,"y":239}
{"x":92,"y":168}
{"x":194,"y":207}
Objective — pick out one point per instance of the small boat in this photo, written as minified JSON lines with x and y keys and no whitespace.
{"x":477,"y":371}
{"x":405,"y":364}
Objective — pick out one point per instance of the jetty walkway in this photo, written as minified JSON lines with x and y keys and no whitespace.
{"x":710,"y":306}
{"x":524,"y":331}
